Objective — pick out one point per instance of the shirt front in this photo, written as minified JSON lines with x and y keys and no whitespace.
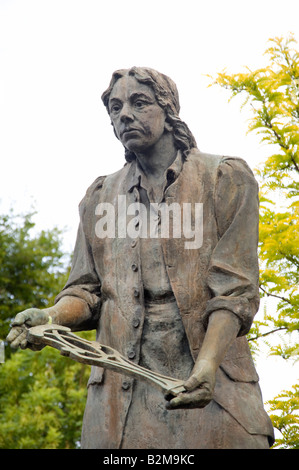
{"x":155,"y":278}
{"x":222,"y":274}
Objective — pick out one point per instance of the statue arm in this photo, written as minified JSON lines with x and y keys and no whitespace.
{"x":72,"y":312}
{"x":233,"y":275}
{"x":78,"y":304}
{"x":222,"y":330}
{"x":232,"y":278}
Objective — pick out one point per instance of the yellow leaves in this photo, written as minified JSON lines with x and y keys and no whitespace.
{"x":294,"y":138}
{"x":286,"y":417}
{"x":279,"y":235}
{"x":273,"y":95}
{"x":279,"y":258}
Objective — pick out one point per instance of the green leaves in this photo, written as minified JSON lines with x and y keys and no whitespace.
{"x":285,"y":418}
{"x":32,"y":268}
{"x":42,"y":400}
{"x":272,"y":96}
{"x":42,"y":394}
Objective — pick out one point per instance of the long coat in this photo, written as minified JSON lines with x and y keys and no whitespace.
{"x":220,"y":275}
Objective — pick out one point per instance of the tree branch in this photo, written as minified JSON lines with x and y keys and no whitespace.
{"x":269,"y":125}
{"x":276,"y":296}
{"x":295,"y":163}
{"x":266,"y":334}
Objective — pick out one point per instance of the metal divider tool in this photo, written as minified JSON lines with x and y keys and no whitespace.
{"x":95,"y":354}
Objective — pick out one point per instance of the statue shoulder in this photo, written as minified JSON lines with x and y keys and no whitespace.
{"x":100,"y":184}
{"x":237,"y":171}
{"x":95,"y":186}
{"x":222,"y":164}
{"x":91,"y":190}
{"x":208,"y":160}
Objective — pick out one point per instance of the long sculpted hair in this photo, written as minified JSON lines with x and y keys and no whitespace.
{"x":167,"y":97}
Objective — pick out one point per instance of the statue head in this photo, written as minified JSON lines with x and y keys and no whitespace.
{"x":167,"y":97}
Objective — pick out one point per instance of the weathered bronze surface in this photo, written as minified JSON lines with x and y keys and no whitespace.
{"x":178,"y":303}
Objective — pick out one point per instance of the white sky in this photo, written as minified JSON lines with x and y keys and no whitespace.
{"x":56,"y":59}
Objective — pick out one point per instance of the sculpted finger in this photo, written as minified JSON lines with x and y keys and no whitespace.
{"x":174,"y":403}
{"x":20,"y":318}
{"x":19,"y":339}
{"x":13,"y":334}
{"x":198,"y":398}
{"x":23,"y":341}
{"x":180,"y":401}
{"x":31,"y":317}
{"x":192,"y":383}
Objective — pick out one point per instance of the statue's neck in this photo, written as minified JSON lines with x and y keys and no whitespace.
{"x":155,"y":161}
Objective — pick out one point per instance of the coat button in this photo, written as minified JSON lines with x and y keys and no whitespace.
{"x":136,"y":293}
{"x":135,"y":322}
{"x":125,"y":385}
{"x":134,"y":267}
{"x":131,"y":355}
{"x":133,"y":243}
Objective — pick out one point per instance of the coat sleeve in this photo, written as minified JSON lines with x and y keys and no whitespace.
{"x":83,"y":281}
{"x":233,"y":276}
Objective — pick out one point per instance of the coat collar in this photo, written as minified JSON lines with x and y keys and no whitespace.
{"x":137,"y":177}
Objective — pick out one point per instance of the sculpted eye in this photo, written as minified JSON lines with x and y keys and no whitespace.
{"x":139,"y":104}
{"x":115,"y":108}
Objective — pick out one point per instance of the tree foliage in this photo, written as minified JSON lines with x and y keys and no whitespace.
{"x":42,"y":399}
{"x":272,"y":95}
{"x":42,"y":394}
{"x":32,"y":268}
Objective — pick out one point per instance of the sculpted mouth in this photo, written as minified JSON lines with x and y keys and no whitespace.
{"x":129,"y":131}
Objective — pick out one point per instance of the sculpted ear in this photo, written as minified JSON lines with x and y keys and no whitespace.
{"x":168,"y":127}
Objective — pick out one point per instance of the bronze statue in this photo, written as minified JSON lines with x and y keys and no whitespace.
{"x":165,"y":269}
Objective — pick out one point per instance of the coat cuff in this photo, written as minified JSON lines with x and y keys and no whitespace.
{"x":240,"y":306}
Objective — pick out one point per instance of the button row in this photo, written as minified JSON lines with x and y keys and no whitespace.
{"x":136,"y":321}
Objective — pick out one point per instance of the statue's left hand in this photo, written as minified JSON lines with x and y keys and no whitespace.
{"x":199,"y":387}
{"x":17,"y":336}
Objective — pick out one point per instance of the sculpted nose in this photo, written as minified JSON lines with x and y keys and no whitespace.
{"x":126,"y":114}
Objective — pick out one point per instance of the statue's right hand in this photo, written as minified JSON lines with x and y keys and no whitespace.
{"x":17,"y":336}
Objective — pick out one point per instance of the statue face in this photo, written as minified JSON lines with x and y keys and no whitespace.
{"x":138,"y":120}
